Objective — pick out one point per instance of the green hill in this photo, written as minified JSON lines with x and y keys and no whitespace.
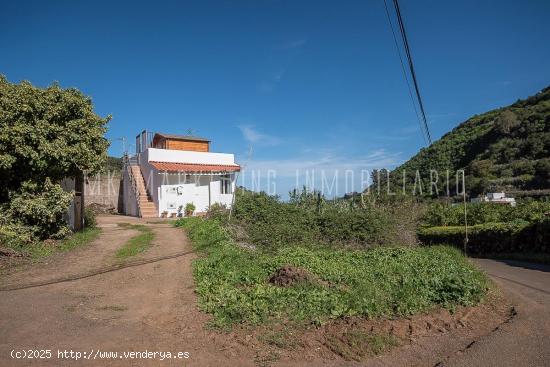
{"x":504,"y":149}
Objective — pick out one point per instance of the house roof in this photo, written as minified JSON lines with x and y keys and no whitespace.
{"x":180,"y":137}
{"x":194,"y":167}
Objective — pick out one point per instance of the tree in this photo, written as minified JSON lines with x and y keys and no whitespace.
{"x":47,"y":133}
{"x":506,"y":122}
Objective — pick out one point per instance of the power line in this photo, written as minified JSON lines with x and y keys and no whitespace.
{"x":411,"y":67}
{"x":405,"y":73}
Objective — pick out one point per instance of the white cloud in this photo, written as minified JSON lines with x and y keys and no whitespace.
{"x":326,"y":161}
{"x":333,"y":175}
{"x":253,"y":136}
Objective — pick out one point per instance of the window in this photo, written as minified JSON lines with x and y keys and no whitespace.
{"x":225,"y":184}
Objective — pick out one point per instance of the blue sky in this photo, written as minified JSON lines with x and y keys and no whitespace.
{"x":307,"y":84}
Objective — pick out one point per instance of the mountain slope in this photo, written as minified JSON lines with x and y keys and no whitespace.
{"x":504,"y":149}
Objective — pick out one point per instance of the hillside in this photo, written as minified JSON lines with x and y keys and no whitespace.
{"x":503,"y":149}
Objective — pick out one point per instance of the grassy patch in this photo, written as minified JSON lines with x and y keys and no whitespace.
{"x":136,"y":244}
{"x":75,"y":240}
{"x":232,"y":283}
{"x":356,"y":344}
{"x":284,"y":338}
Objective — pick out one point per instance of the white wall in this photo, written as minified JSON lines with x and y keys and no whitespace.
{"x":160,"y":185}
{"x":176,"y":191}
{"x":128,"y":196}
{"x":183,"y":156}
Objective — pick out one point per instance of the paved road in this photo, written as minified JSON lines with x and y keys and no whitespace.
{"x":525,"y":341}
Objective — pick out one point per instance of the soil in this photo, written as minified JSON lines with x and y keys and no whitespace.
{"x":288,"y":276}
{"x":153,"y":307}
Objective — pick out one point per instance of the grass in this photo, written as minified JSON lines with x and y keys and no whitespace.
{"x":232,"y":283}
{"x":356,"y":344}
{"x":136,"y":244}
{"x":75,"y":240}
{"x":283,"y":339}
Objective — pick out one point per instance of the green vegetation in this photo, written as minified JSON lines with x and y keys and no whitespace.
{"x":233,"y":283}
{"x":189,"y":209}
{"x":356,"y":344}
{"x":39,"y":250}
{"x":284,"y":338}
{"x":136,"y":244}
{"x":439,"y":214}
{"x":518,"y":236}
{"x":46,"y":135}
{"x":90,"y":220}
{"x":506,"y":149}
{"x":309,"y":220}
{"x":493,"y":230}
{"x":112,"y":164}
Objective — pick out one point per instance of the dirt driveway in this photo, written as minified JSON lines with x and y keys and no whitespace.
{"x":149,"y":307}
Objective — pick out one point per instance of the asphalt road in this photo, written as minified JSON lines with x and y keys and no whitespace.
{"x":525,"y":340}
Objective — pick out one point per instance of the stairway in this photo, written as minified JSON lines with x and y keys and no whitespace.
{"x":146,"y":205}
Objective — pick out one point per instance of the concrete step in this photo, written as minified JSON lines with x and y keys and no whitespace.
{"x":149,"y":214}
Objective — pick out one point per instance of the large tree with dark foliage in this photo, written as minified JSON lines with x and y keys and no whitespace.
{"x":46,"y":134}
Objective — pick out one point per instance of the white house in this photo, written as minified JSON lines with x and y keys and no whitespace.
{"x":170,"y":171}
{"x":496,"y":198}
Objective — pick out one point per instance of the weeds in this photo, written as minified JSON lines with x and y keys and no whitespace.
{"x":356,"y":344}
{"x":75,"y":240}
{"x":232,"y":283}
{"x":136,"y":244}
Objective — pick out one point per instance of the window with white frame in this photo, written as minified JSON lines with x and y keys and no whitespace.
{"x":225,"y":184}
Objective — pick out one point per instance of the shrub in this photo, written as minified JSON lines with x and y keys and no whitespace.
{"x":310,"y":219}
{"x":233,"y":283}
{"x":41,"y":209}
{"x":439,"y":214}
{"x":89,"y":218}
{"x":189,"y":209}
{"x":493,"y":238}
{"x":217,"y":211}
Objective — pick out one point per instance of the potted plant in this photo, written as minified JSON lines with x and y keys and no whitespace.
{"x":164,"y":214}
{"x":189,"y":209}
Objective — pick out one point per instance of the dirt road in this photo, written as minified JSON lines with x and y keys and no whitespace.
{"x":526,"y":340}
{"x":152,"y":308}
{"x":149,"y":308}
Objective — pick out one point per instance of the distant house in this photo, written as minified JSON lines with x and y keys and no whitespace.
{"x":169,"y":171}
{"x":496,"y":198}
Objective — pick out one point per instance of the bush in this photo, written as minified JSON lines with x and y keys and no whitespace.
{"x":233,"y":283}
{"x":189,"y":209}
{"x":310,"y":219}
{"x":16,"y":236}
{"x":217,"y":211}
{"x":439,"y":214}
{"x":90,"y":220}
{"x":41,"y":209}
{"x":493,"y":238}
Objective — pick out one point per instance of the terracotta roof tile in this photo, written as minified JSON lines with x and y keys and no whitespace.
{"x":194,"y":167}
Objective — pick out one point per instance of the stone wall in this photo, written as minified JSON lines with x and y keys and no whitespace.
{"x":104,"y":189}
